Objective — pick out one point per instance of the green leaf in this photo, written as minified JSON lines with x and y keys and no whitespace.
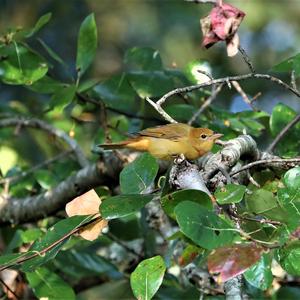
{"x":291,"y":179}
{"x":170,"y":201}
{"x":143,"y":59}
{"x":180,"y":112}
{"x":260,"y":275}
{"x":20,"y":65}
{"x":46,"y":85}
{"x":82,"y":263}
{"x":123,"y":205}
{"x":263,"y":202}
{"x":42,"y":21}
{"x":62,"y":97}
{"x":288,"y":293}
{"x":202,"y":226}
{"x":54,"y":234}
{"x":281,"y":116}
{"x":147,"y":277}
{"x":117,"y":289}
{"x":86,"y":44}
{"x":47,"y":285}
{"x":138,"y":176}
{"x":231,"y":193}
{"x":289,"y":65}
{"x":289,"y":258}
{"x":12,"y":259}
{"x":117,"y":93}
{"x":31,"y":235}
{"x":150,"y":83}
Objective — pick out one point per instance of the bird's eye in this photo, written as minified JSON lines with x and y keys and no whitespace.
{"x":203,"y":136}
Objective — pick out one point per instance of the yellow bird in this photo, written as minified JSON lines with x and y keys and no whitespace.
{"x":169,"y":141}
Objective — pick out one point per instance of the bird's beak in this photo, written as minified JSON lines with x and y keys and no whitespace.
{"x":216,"y":136}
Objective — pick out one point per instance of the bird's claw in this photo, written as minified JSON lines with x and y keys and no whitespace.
{"x":179,"y":159}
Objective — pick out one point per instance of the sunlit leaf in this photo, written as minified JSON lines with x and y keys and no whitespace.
{"x":292,"y":178}
{"x":147,"y":277}
{"x":19,"y":65}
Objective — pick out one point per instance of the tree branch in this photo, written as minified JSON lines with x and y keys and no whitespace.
{"x":36,"y":207}
{"x":38,"y":124}
{"x":191,"y":88}
{"x":282,"y":133}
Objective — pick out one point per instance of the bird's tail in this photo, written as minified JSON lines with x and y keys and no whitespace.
{"x":112,"y":146}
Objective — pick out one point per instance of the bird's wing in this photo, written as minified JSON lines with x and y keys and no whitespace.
{"x":170,"y":131}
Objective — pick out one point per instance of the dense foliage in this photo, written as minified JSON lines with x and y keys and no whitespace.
{"x":160,"y":241}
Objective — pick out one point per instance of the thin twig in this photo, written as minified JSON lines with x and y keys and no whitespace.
{"x":51,"y":246}
{"x":281,"y":161}
{"x":293,"y":80}
{"x":45,"y":163}
{"x":121,"y":243}
{"x":158,"y":108}
{"x":39,"y":124}
{"x":88,"y":99}
{"x":282,"y":133}
{"x":202,"y":1}
{"x":207,"y":102}
{"x":243,"y":95}
{"x":8,"y":289}
{"x":191,"y":88}
{"x":246,"y":59}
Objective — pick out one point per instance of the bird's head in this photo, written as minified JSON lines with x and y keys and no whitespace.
{"x":204,"y":138}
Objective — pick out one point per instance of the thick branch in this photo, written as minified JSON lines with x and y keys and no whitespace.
{"x":38,"y":124}
{"x":36,"y":207}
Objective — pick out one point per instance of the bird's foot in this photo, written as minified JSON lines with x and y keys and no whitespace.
{"x":179,"y":159}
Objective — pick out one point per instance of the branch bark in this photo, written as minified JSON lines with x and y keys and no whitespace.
{"x":16,"y":211}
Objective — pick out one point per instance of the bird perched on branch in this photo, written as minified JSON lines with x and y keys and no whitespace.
{"x":170,"y":141}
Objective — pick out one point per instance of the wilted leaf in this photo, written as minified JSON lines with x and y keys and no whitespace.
{"x":221,"y":25}
{"x":87,"y":204}
{"x":203,"y":226}
{"x":189,"y":254}
{"x":228,"y":262}
{"x":147,"y":277}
